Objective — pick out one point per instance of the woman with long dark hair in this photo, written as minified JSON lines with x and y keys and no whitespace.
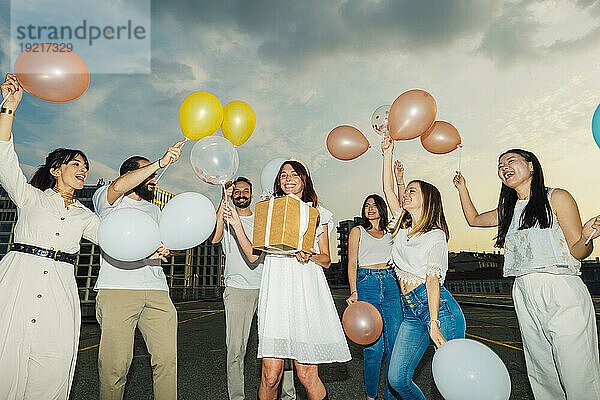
{"x":297,"y":318}
{"x":39,"y":300}
{"x":420,"y":257}
{"x":373,"y":280}
{"x":543,"y":239}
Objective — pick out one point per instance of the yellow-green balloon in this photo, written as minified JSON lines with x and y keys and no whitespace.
{"x":200,"y":115}
{"x":238,"y":122}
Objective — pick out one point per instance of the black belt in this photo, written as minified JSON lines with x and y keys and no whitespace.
{"x":56,"y":255}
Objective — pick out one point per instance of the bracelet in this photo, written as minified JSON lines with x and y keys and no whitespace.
{"x":356,"y":291}
{"x":159,"y":166}
{"x":437,"y":321}
{"x":7,"y":111}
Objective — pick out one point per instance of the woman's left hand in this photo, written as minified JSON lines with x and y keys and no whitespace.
{"x":160,"y":254}
{"x":436,"y":335}
{"x":589,"y":227}
{"x":303,"y":256}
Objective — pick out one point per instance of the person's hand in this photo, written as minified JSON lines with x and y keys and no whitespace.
{"x":11,"y":91}
{"x":230,"y":215}
{"x":387,"y":144}
{"x":229,"y":190}
{"x":160,"y":254}
{"x":591,"y":227}
{"x":172,"y":154}
{"x":353,"y":298}
{"x":303,"y":257}
{"x":399,"y":172}
{"x":436,"y":335}
{"x":459,"y":181}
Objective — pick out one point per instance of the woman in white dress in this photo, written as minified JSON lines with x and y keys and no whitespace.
{"x":543,"y":239}
{"x":39,"y":301}
{"x":297,"y":318}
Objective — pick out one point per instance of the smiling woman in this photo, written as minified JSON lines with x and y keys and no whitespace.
{"x":39,"y":302}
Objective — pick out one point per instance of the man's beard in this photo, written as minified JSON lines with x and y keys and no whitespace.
{"x":241,"y":202}
{"x":144,"y":192}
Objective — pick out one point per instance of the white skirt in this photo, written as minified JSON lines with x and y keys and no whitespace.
{"x":297,"y":318}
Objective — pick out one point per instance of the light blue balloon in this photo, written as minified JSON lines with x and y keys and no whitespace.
{"x":464,"y":369}
{"x":596,"y":126}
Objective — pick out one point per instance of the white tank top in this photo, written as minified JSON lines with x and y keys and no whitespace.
{"x":537,"y":250}
{"x":373,"y":251}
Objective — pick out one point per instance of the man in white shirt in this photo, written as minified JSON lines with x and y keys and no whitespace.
{"x":240,"y":298}
{"x":135,"y":293}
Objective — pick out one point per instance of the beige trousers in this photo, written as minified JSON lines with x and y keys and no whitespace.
{"x":560,"y":341}
{"x":240,"y":307}
{"x":118,"y":312}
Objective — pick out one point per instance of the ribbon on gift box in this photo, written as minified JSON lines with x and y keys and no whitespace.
{"x":304,"y":220}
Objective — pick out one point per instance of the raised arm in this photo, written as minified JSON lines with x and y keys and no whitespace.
{"x":567,"y":214}
{"x":387,"y":146}
{"x":13,"y":93}
{"x":399,"y":175}
{"x":131,"y":179}
{"x":353,"y":241}
{"x":485,"y":220}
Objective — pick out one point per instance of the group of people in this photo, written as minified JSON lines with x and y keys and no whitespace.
{"x":399,"y":266}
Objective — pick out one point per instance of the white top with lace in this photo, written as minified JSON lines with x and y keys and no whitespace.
{"x":537,"y":250}
{"x":420,"y":255}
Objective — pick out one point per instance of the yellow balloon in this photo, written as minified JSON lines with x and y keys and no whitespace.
{"x":200,"y":115}
{"x":238,"y":122}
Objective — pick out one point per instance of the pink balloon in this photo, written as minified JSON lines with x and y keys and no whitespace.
{"x":411,"y":114}
{"x":346,"y":142}
{"x":362,"y":323}
{"x":441,"y":138}
{"x":56,"y":75}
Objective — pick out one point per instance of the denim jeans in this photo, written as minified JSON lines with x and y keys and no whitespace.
{"x":413,"y":337}
{"x":380,"y":288}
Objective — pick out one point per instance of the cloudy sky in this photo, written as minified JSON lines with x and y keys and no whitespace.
{"x":506,"y":74}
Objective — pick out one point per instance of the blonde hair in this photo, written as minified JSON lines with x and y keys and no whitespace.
{"x":432,"y":213}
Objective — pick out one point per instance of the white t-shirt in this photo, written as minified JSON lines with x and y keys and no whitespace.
{"x":137,"y":275}
{"x":239,"y":272}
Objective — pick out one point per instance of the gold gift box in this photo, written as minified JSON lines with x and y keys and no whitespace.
{"x":284,"y":227}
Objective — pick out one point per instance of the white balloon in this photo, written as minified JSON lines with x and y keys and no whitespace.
{"x":465,"y":369}
{"x":128,"y":234}
{"x":214,"y":159}
{"x":269,"y":173}
{"x":187,"y":220}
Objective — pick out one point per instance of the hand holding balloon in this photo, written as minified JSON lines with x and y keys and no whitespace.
{"x":436,"y":335}
{"x":591,"y":229}
{"x":172,"y":154}
{"x":12,"y":93}
{"x":459,"y":181}
{"x":230,"y":215}
{"x":398,"y":171}
{"x":160,"y":254}
{"x":353,"y":298}
{"x":387,"y":145}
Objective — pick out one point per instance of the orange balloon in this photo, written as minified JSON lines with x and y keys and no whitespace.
{"x":411,"y":114}
{"x":362,"y":323}
{"x":346,"y":142}
{"x":441,"y":138}
{"x":56,"y":75}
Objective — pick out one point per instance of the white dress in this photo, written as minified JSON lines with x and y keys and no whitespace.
{"x":297,"y":318}
{"x":39,"y":302}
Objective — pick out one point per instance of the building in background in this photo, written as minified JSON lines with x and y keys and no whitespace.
{"x":192,"y":274}
{"x":337,"y":273}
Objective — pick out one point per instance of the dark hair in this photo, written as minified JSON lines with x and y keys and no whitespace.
{"x":131,"y":164}
{"x":308,"y":193}
{"x":383,"y":213}
{"x":432,"y":212}
{"x":245,"y":180}
{"x":43,"y":179}
{"x":536,"y":212}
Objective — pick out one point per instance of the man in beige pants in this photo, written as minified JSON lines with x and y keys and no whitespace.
{"x":135,"y":293}
{"x":242,"y":284}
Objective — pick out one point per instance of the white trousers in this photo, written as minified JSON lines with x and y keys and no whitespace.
{"x":560,"y":341}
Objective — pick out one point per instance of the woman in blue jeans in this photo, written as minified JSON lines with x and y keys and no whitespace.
{"x":372,"y":280}
{"x":420,"y":256}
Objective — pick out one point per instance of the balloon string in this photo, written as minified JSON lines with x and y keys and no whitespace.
{"x":226,"y":224}
{"x":459,"y":156}
{"x":169,"y":164}
{"x":6,"y":98}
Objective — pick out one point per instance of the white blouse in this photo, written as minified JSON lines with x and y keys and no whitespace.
{"x":420,"y":255}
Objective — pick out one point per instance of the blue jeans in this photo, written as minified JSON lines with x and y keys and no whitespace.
{"x":380,"y":288}
{"x":413,"y":337}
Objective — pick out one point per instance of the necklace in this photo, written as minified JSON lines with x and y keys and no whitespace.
{"x":68,"y":197}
